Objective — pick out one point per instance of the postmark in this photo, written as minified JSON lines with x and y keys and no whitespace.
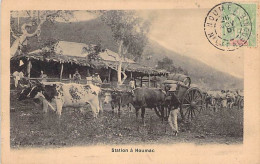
{"x":228,"y":26}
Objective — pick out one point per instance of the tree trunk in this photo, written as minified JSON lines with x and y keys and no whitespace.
{"x":16,"y":44}
{"x":19,"y":40}
{"x":125,"y":76}
{"x":18,"y":21}
{"x":61,"y":71}
{"x":119,"y":68}
{"x":29,"y":67}
{"x":119,"y":71}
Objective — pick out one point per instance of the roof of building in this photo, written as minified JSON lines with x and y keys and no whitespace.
{"x":78,"y":53}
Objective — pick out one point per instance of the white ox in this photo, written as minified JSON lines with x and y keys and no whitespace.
{"x":58,"y":95}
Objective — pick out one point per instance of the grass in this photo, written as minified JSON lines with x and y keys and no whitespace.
{"x":225,"y":122}
{"x":31,"y":127}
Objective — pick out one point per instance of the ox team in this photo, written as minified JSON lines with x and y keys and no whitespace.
{"x":56,"y":95}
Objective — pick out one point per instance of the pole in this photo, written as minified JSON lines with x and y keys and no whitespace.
{"x":29,"y":66}
{"x":109,"y":75}
{"x":61,"y":71}
{"x":149,"y":80}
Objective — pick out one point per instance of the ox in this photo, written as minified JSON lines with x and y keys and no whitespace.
{"x":118,"y":99}
{"x":231,"y":98}
{"x":64,"y":95}
{"x":211,"y":102}
{"x":157,"y":98}
{"x":142,"y":98}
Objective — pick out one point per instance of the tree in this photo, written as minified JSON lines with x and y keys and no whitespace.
{"x":167,"y":64}
{"x":130,"y":32}
{"x":36,"y":20}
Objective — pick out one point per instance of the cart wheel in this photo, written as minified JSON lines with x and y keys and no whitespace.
{"x":162,"y":114}
{"x":192,"y":104}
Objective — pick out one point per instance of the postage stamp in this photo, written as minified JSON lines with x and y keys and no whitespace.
{"x":229,"y":26}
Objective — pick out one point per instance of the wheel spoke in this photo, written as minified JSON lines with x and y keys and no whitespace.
{"x":187,"y":110}
{"x":190,"y":96}
{"x":187,"y":100}
{"x":194,"y":114}
{"x":196,"y":95}
{"x":197,"y":110}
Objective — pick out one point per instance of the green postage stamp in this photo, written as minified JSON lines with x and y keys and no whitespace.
{"x":229,"y":25}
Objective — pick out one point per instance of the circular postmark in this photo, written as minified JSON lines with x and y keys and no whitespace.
{"x":228,"y":26}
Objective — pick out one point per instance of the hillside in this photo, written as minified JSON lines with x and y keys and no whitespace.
{"x":201,"y":74}
{"x":95,"y":31}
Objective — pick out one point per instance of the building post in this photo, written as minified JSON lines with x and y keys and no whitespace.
{"x":88,"y":74}
{"x":61,"y":71}
{"x":141,"y":81}
{"x":29,"y":66}
{"x":109,"y":75}
{"x":149,"y":78}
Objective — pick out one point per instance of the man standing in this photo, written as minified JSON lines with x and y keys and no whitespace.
{"x":96,"y":79}
{"x":17,"y":77}
{"x":76,"y":77}
{"x":43,"y":77}
{"x":132,"y":83}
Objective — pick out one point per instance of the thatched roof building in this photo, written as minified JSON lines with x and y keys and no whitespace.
{"x":62,"y":58}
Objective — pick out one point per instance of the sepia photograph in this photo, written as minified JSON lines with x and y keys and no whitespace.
{"x":126,"y":77}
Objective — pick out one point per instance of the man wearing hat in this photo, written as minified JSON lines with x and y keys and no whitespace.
{"x":96,"y":79}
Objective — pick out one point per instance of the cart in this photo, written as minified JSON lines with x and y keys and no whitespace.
{"x":191,"y":98}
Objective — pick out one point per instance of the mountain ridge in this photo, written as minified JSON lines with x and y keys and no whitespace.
{"x":95,"y":31}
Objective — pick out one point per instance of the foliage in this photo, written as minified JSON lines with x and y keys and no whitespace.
{"x":127,"y":27}
{"x":95,"y":51}
{"x":130,"y":32}
{"x":35,"y":19}
{"x":167,"y":64}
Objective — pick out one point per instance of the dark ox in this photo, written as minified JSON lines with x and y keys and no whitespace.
{"x":211,"y":102}
{"x":62,"y":95}
{"x":142,"y":98}
{"x":118,"y":99}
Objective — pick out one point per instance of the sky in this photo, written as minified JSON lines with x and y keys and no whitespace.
{"x":182,"y":31}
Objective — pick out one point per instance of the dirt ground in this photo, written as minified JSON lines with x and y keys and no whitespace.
{"x":30,"y":127}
